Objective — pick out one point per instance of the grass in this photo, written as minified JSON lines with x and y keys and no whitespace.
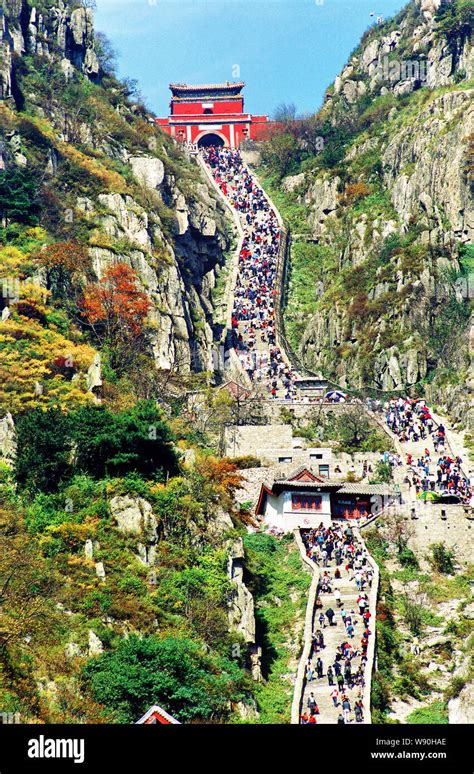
{"x":293,"y":213}
{"x":280,"y":586}
{"x":435,"y":714}
{"x":442,"y":588}
{"x":308,"y":263}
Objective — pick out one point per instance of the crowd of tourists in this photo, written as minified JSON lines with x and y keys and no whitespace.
{"x":336,"y":548}
{"x":434,"y":470}
{"x":253,"y":316}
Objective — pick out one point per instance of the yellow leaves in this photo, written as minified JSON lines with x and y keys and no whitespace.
{"x":101,"y":239}
{"x":16,"y":263}
{"x":110,"y":179}
{"x":12,"y":261}
{"x":28,"y":355}
{"x":30,"y":291}
{"x":74,"y":535}
{"x":77,"y":561}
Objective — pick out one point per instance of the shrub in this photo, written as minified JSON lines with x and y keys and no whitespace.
{"x":408,"y":559}
{"x":248,"y":461}
{"x":383,"y":472}
{"x":174,"y":672}
{"x":434,"y":714}
{"x":413,"y":614}
{"x":455,"y":687}
{"x":354,"y":192}
{"x":442,"y":559}
{"x":380,"y":697}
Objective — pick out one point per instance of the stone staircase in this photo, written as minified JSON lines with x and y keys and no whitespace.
{"x":333,"y":637}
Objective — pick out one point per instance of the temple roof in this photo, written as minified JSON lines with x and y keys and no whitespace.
{"x":155,"y":715}
{"x":315,"y":486}
{"x":367,"y":489}
{"x":207,"y":89}
{"x":303,"y":473}
{"x":304,"y":478}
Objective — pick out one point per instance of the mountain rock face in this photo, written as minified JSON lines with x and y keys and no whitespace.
{"x":114,"y":182}
{"x":55,"y":31}
{"x":392,"y":220}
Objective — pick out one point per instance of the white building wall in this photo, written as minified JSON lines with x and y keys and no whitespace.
{"x":279,"y":513}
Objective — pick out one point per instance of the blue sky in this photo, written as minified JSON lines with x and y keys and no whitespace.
{"x":287,"y":50}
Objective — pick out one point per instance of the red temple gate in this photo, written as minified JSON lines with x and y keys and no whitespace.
{"x":213,"y":114}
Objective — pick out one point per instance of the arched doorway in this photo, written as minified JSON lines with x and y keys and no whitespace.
{"x":210,"y":139}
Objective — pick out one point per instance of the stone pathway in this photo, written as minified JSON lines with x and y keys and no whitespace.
{"x":262,"y":350}
{"x":333,"y":637}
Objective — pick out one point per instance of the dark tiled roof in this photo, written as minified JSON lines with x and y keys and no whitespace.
{"x":297,"y":472}
{"x":228,"y":86}
{"x":284,"y":484}
{"x":366,"y":489}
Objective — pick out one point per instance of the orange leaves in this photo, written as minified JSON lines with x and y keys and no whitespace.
{"x":221,"y":472}
{"x":354,"y":192}
{"x":116,"y":303}
{"x":65,"y":255}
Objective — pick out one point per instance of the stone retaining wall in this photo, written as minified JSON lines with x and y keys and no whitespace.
{"x":369,"y":669}
{"x":308,"y":631}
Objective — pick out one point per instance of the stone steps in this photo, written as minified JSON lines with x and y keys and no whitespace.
{"x":333,"y":636}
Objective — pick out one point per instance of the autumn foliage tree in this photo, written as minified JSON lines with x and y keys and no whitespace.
{"x":67,"y":264}
{"x":69,"y":256}
{"x":116,"y":310}
{"x":26,"y":586}
{"x":354,"y":192}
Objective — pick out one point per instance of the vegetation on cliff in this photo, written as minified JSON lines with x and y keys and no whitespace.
{"x":378,"y":205}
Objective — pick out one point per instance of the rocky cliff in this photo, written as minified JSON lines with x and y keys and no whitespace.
{"x":390,"y":210}
{"x":101,"y":175}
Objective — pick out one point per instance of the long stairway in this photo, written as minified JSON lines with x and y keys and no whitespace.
{"x":333,"y":637}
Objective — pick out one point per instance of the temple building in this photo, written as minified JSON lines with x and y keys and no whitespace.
{"x":157,"y":715}
{"x":212,"y":114}
{"x":304,"y":500}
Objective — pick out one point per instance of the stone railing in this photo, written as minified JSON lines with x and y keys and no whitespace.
{"x":308,"y":631}
{"x":371,"y":664}
{"x":231,"y":362}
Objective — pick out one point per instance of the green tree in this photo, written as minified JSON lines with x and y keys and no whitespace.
{"x":281,"y":153}
{"x":454,"y":19}
{"x":174,"y":672}
{"x":18,"y":196}
{"x":138,"y":439}
{"x":44,"y":450}
{"x":383,"y":472}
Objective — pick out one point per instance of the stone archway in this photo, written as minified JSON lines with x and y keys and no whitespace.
{"x":206,"y":139}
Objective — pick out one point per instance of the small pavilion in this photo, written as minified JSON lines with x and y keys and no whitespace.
{"x":305,"y":500}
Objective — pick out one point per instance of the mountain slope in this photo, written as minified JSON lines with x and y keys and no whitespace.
{"x":84,"y":167}
{"x":386,"y":212}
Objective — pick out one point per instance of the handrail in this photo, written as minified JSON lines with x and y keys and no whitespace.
{"x":369,"y":667}
{"x":308,"y":631}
